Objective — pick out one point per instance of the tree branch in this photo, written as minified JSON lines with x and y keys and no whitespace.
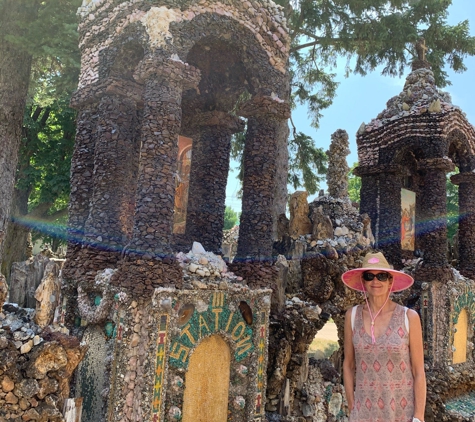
{"x":36,"y":113}
{"x":326,"y":40}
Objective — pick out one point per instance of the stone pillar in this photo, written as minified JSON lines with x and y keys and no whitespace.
{"x":164,"y":83}
{"x":369,"y":195}
{"x":81,"y":178}
{"x":149,"y":249}
{"x":466,"y":237}
{"x":337,"y":173}
{"x":265,"y":117}
{"x":102,"y":176}
{"x":281,"y":177}
{"x":431,"y":223}
{"x":109,"y":224}
{"x":208,"y":177}
{"x":389,"y":221}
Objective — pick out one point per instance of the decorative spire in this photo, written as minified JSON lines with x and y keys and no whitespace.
{"x":421,"y":49}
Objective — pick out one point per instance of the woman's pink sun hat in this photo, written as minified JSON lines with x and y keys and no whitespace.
{"x":377,"y":262}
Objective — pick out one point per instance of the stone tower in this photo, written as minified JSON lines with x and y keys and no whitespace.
{"x":163,"y":87}
{"x":419,"y":138}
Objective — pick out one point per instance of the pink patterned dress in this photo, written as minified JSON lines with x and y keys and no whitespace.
{"x":384,"y":389}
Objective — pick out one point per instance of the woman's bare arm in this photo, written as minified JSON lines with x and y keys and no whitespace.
{"x":349,"y":362}
{"x":416,"y":350}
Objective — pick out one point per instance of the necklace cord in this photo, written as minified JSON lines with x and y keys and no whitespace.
{"x":373,"y":338}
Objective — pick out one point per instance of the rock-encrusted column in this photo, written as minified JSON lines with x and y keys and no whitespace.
{"x":431,"y":221}
{"x":81,"y":178}
{"x":149,"y":249}
{"x":389,"y":224}
{"x":369,"y":194}
{"x":337,"y":174}
{"x":265,"y":115}
{"x":281,"y":177}
{"x":265,"y":118}
{"x":208,"y":177}
{"x":115,"y":161}
{"x":109,"y":224}
{"x":466,"y":237}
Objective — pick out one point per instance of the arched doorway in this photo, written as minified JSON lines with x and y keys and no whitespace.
{"x":460,"y":338}
{"x":207,"y":382}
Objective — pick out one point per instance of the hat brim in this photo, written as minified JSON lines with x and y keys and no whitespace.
{"x":401,"y":281}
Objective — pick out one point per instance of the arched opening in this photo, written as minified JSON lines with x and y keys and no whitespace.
{"x":457,"y":195}
{"x":410,"y":186}
{"x":207,"y":382}
{"x":460,"y":338}
{"x":325,"y":343}
{"x":209,"y":121}
{"x":182,"y":184}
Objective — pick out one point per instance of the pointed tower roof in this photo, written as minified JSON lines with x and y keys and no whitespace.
{"x":420,"y":111}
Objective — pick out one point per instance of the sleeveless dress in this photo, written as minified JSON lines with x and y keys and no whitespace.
{"x":384,"y":390}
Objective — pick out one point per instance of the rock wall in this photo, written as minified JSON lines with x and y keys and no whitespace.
{"x":36,"y":367}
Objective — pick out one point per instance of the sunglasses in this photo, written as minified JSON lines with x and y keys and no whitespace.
{"x":367,"y":276}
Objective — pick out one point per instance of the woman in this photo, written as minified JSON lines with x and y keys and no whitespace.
{"x":383,"y":369}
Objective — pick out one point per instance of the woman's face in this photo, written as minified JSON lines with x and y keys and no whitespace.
{"x":377,"y":283}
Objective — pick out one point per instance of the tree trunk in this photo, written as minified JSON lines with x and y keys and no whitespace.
{"x":15,"y":67}
{"x":17,"y":246}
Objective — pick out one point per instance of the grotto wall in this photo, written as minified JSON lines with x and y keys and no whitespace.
{"x":37,"y":356}
{"x":152,"y":71}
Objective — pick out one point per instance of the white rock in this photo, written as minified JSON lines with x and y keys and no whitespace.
{"x":26,"y":347}
{"x":342,"y":241}
{"x":199,"y":284}
{"x":201,"y":272}
{"x":334,"y":406}
{"x":203,"y":261}
{"x":338,"y":231}
{"x":193,"y":268}
{"x":198,"y":248}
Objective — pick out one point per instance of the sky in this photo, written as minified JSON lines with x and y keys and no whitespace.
{"x":360,"y":99}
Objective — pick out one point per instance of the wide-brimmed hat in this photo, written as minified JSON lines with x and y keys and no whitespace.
{"x":376,"y":261}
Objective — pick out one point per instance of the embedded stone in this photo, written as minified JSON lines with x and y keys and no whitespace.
{"x":25,"y":348}
{"x":47,"y":357}
{"x":7,"y":384}
{"x":10,"y":398}
{"x":28,"y":387}
{"x":299,"y":224}
{"x":193,"y":267}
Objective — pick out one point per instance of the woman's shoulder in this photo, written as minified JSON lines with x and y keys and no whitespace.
{"x":351,"y":309}
{"x":412,"y":315}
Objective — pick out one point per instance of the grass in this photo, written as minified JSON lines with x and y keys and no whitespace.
{"x":322,"y":348}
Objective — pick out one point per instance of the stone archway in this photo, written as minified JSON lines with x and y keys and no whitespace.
{"x":207,"y":382}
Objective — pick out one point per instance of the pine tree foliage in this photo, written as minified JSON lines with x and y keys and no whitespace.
{"x":52,"y":41}
{"x":369,"y":35}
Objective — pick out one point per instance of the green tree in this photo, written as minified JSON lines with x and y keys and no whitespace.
{"x":369,"y":35}
{"x":354,"y":185}
{"x":42,"y":190}
{"x":38,"y":43}
{"x":15,"y":68}
{"x":231,"y":218}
